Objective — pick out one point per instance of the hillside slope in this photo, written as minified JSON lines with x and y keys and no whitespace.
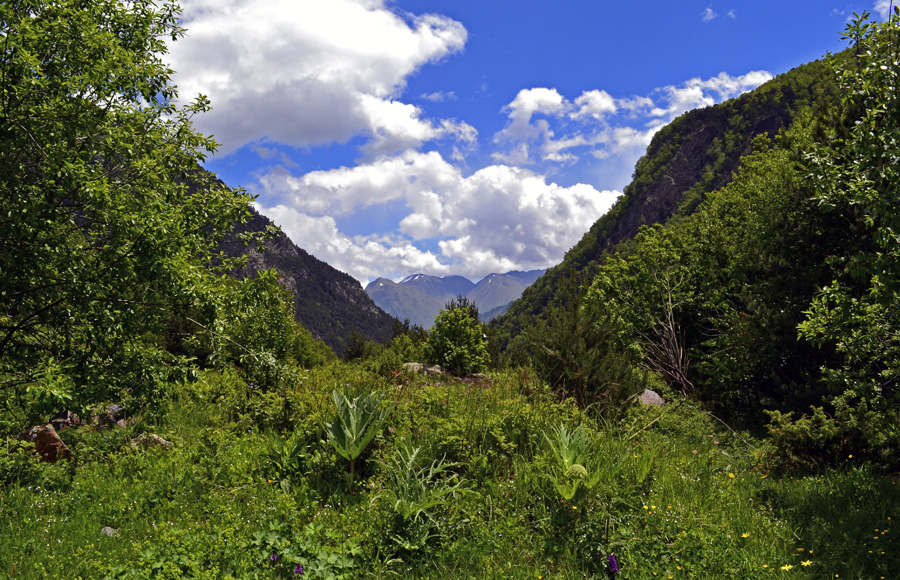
{"x":693,"y":155}
{"x":330,"y":303}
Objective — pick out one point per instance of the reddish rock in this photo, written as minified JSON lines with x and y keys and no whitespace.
{"x":47,"y":443}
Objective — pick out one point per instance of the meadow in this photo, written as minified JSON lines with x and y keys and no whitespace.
{"x":495,"y":477}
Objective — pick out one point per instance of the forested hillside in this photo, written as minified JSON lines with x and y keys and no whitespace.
{"x":331,"y":304}
{"x":693,"y":155}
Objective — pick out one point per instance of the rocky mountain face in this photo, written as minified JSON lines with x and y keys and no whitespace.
{"x":328,"y":302}
{"x":421,"y":297}
{"x":695,"y":154}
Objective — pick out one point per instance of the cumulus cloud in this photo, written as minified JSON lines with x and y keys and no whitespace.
{"x":497,"y":219}
{"x":546,"y":127}
{"x":883,"y":8}
{"x":320,"y":72}
{"x":709,"y":14}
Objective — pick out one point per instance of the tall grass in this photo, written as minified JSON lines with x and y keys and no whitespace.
{"x":678,"y":496}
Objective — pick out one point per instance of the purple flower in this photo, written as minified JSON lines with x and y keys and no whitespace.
{"x":613,"y":565}
{"x":273,"y":557}
{"x":298,"y":569}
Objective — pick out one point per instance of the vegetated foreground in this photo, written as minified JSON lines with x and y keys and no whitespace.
{"x":463,"y":479}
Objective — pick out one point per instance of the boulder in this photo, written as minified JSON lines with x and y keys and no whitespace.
{"x":146,"y":441}
{"x":415,"y":367}
{"x":47,"y":443}
{"x":65,"y":419}
{"x":651,"y":399}
{"x":110,"y":416}
{"x":434,"y":371}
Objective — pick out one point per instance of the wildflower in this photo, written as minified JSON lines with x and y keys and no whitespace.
{"x":731,"y":475}
{"x":786,"y":567}
{"x":745,"y":535}
{"x":695,"y":452}
{"x":613,"y":565}
{"x":806,"y":563}
{"x":298,"y":569}
{"x":273,"y":557}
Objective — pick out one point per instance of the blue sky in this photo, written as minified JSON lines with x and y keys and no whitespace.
{"x":391,"y":137}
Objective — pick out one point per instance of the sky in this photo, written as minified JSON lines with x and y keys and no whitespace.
{"x":465,"y":137}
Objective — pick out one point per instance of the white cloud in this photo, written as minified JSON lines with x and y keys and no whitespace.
{"x":544,"y":126}
{"x":308,"y":73}
{"x":709,"y":14}
{"x":439,"y":96}
{"x":595,"y":104}
{"x":883,"y":8}
{"x":703,"y":93}
{"x":526,"y":104}
{"x":497,"y":219}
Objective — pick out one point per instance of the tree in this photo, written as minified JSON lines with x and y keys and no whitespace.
{"x":108,"y":225}
{"x":578,"y":350}
{"x":457,"y":341}
{"x":854,"y":172}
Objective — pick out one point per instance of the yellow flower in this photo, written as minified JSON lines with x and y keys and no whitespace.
{"x":678,"y":567}
{"x":799,"y":549}
{"x":653,"y":507}
{"x":731,"y":475}
{"x":765,"y":565}
{"x":786,"y":567}
{"x":806,"y":563}
{"x":745,"y":535}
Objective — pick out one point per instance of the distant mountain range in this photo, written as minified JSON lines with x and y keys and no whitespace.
{"x":421,"y":297}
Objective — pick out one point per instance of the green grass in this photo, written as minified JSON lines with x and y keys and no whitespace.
{"x":679,"y":496}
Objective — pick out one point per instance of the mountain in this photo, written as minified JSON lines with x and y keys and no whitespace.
{"x":693,"y":155}
{"x":439,"y":287}
{"x":421,"y":297}
{"x":328,"y":302}
{"x":496,"y":290}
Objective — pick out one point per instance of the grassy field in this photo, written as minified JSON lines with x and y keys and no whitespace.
{"x":464,"y":479}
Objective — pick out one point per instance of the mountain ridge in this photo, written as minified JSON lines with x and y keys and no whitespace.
{"x":420,"y":297}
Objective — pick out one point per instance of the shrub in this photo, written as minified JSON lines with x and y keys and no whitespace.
{"x":457,"y":341}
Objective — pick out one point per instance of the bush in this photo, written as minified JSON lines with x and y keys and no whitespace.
{"x":857,"y":433}
{"x":457,"y":341}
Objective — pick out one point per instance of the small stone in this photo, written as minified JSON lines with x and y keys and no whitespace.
{"x":146,"y":441}
{"x":108,"y":531}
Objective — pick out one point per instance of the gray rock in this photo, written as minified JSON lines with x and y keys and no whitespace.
{"x":413,"y":367}
{"x":651,"y":399}
{"x":108,"y":531}
{"x":145,"y":441}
